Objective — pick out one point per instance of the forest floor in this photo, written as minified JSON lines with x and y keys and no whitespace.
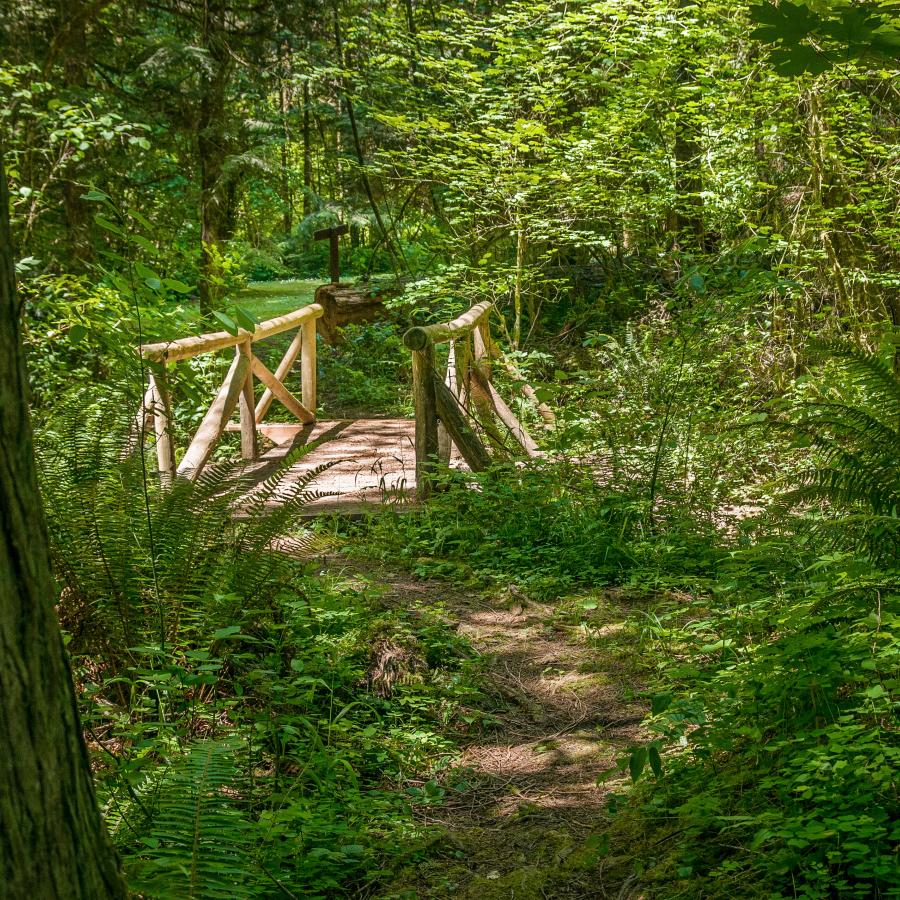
{"x":531,"y":818}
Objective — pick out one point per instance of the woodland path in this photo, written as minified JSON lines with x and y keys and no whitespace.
{"x":530,"y":820}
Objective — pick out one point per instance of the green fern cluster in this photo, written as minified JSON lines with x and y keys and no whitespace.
{"x":140,"y":564}
{"x":853,"y":429}
{"x":200,"y":842}
{"x":239,"y":749}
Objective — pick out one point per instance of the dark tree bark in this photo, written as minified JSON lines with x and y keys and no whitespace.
{"x":211,"y":151}
{"x":285,"y":103}
{"x":75,"y":69}
{"x":53,"y":843}
{"x":687,"y":220}
{"x":307,"y":153}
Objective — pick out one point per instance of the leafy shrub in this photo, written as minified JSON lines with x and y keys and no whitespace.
{"x":787,"y":706}
{"x":785,"y":694}
{"x":241,"y":747}
{"x":546,"y":526}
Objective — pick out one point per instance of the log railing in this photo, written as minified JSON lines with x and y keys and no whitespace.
{"x":444,"y":406}
{"x":236,"y":390}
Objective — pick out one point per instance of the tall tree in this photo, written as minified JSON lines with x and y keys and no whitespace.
{"x":53,"y":843}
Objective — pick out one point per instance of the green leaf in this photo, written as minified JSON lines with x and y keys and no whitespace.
{"x":77,"y":333}
{"x":173,"y":284}
{"x":660,"y":702}
{"x":95,"y":196}
{"x":103,"y":222}
{"x":228,"y":631}
{"x":227,"y":322}
{"x":655,"y":760}
{"x":245,"y":318}
{"x":637,"y":762}
{"x":142,"y":242}
{"x":798,"y":60}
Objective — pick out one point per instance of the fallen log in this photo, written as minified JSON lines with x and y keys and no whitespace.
{"x":347,"y":304}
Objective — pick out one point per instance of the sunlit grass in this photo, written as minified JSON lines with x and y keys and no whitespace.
{"x":267,"y":299}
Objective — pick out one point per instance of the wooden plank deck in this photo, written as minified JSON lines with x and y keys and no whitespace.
{"x":371,"y":462}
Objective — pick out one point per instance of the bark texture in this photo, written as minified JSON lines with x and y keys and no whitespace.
{"x":53,"y":843}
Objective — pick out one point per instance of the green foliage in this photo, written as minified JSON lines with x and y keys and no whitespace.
{"x":244,"y":734}
{"x":548,"y":527}
{"x":816,"y":39}
{"x":783,"y":695}
{"x":72,"y":331}
{"x":853,"y":431}
{"x":369,"y":373}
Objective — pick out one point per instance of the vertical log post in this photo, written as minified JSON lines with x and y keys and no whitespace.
{"x":444,"y":441}
{"x":331,"y":235}
{"x":481,"y":339}
{"x":308,"y":366}
{"x":249,"y":447}
{"x":162,"y":425}
{"x":426,"y":418}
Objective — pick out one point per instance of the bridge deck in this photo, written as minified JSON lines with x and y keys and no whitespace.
{"x":373,"y":461}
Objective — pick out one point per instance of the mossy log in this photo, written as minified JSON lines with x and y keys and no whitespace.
{"x":347,"y":304}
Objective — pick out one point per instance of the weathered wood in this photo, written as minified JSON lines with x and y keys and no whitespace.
{"x":332,"y":235}
{"x":426,"y":418}
{"x":308,"y":366}
{"x":463,"y":360}
{"x":417,"y":337}
{"x":505,"y":414}
{"x":215,"y":420}
{"x":185,"y":348}
{"x":464,"y":436}
{"x":481,"y":400}
{"x":249,"y":447}
{"x":346,"y":304}
{"x":141,"y":423}
{"x":280,"y":391}
{"x":444,"y":440}
{"x":281,"y":374}
{"x":162,"y":425}
{"x":481,"y":343}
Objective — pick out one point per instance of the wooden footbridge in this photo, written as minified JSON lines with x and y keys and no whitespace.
{"x":460,"y":418}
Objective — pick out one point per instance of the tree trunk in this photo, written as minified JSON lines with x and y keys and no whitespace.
{"x":285,"y":102}
{"x":53,"y":843}
{"x":686,"y":223}
{"x":77,"y":218}
{"x":307,"y":153}
{"x":211,"y":154}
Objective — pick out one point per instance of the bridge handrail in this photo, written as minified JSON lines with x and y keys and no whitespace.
{"x":185,"y":348}
{"x":236,"y":392}
{"x":419,"y":336}
{"x":444,"y":406}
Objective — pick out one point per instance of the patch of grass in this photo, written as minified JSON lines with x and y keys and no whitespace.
{"x":267,"y":299}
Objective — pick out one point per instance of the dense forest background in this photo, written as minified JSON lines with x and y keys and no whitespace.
{"x":686,"y":214}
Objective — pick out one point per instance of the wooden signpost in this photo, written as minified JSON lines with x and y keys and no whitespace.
{"x":332,"y":234}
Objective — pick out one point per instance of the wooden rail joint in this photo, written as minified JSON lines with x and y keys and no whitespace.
{"x":236,"y":390}
{"x":442,"y":406}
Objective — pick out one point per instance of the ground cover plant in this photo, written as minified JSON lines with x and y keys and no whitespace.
{"x":660,"y":657}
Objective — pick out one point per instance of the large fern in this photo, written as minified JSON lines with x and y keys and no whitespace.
{"x":197,"y":840}
{"x":853,"y":429}
{"x":141,"y":563}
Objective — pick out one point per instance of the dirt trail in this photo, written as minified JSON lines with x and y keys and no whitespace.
{"x":530,"y":820}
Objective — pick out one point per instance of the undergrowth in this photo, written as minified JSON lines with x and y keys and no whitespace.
{"x":258,"y":728}
{"x":772,"y":648}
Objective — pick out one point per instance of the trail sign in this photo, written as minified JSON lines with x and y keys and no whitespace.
{"x":332,"y":234}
